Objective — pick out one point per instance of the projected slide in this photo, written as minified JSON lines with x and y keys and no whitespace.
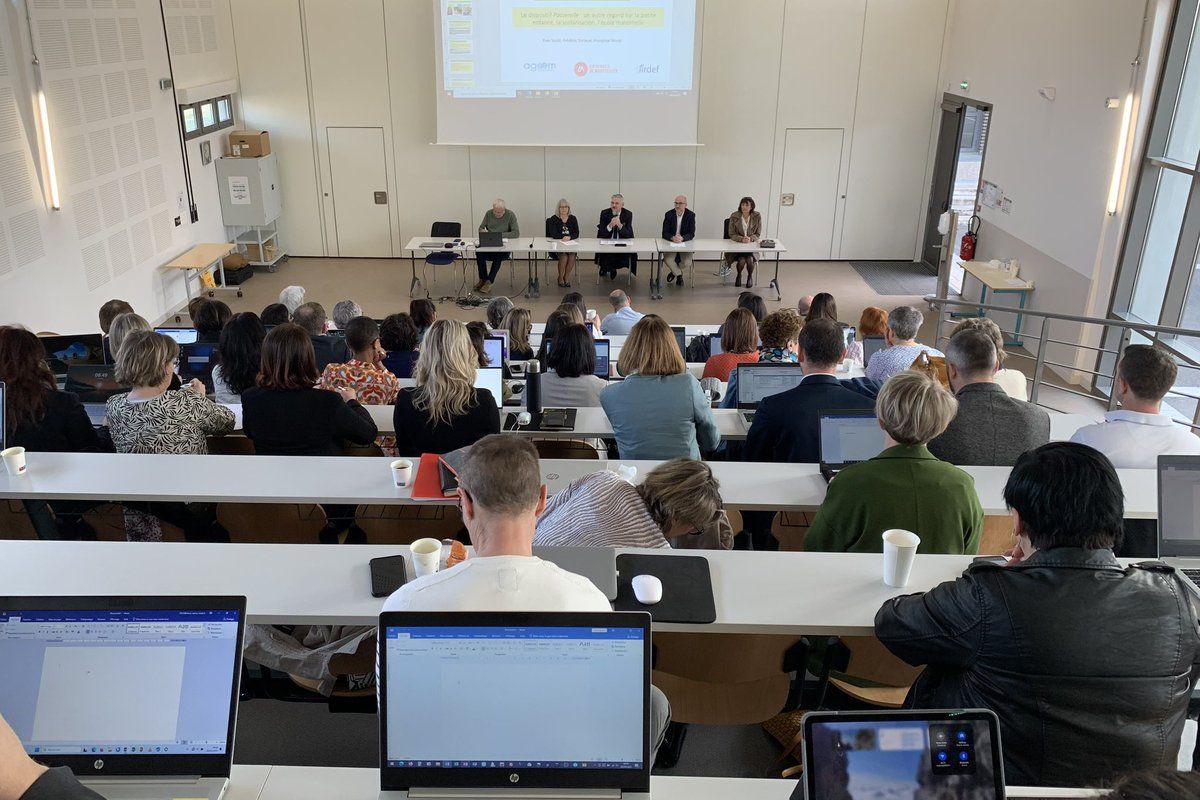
{"x":577,"y":56}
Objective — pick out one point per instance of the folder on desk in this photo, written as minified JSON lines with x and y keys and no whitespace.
{"x":434,"y":482}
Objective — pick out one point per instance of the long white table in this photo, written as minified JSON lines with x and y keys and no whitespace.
{"x":463,"y":249}
{"x":728,"y":246}
{"x":316,"y":479}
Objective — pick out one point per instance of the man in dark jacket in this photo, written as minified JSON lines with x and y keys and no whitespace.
{"x":616,"y":222}
{"x":328,"y":349}
{"x":679,"y":225}
{"x":1088,"y":664}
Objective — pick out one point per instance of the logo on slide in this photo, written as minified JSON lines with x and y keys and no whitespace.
{"x":539,"y":66}
{"x":581,"y":69}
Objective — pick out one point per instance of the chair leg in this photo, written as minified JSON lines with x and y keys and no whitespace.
{"x":672,"y":747}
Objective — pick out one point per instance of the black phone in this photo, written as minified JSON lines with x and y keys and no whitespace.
{"x":999,"y":561}
{"x":554,"y":418}
{"x":388,"y":573}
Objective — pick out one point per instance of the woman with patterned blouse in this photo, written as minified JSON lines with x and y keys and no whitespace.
{"x":364,"y":373}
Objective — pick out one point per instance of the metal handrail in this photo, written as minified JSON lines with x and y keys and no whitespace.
{"x":1156,"y":333}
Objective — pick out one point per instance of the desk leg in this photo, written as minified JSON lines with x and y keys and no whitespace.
{"x":412,"y":287}
{"x":774,"y":284}
{"x":532,"y":289}
{"x":187,"y":281}
{"x":977,"y":312}
{"x":1016,"y":340}
{"x":656,"y":278}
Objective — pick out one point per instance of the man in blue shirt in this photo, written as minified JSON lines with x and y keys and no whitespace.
{"x":903,"y":325}
{"x":623,"y":318}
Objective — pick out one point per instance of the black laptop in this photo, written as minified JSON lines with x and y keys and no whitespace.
{"x":94,"y":385}
{"x":67,"y":351}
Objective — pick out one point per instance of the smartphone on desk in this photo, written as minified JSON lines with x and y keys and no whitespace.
{"x":388,"y":573}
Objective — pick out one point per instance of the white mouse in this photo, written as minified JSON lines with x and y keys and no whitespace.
{"x":524,"y":418}
{"x":647,"y":589}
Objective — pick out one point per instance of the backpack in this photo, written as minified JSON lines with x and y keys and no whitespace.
{"x":697,"y":350}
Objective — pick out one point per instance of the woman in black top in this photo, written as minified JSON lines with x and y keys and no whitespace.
{"x":40,"y":418}
{"x":423,"y":313}
{"x":554,"y":323}
{"x":563,"y":227}
{"x":444,"y":411}
{"x":286,"y":416}
{"x":398,"y":336}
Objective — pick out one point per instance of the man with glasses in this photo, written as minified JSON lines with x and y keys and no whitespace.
{"x":679,"y":225}
{"x":616,"y":222}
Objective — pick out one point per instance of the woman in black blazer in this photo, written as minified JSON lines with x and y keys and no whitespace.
{"x":444,"y":411}
{"x":563,"y":227}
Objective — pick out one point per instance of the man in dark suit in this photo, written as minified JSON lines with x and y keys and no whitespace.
{"x":616,"y":222}
{"x":990,"y":429}
{"x":328,"y":349}
{"x":787,"y":426}
{"x":679,"y":225}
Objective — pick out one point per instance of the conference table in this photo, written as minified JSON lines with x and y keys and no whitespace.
{"x":722,"y":246}
{"x":461,"y":247}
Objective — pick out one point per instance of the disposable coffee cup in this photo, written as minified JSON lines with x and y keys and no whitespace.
{"x":899,"y":552}
{"x":402,"y":472}
{"x":14,"y":460}
{"x":426,"y":555}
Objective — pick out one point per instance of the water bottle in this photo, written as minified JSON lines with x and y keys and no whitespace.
{"x":533,"y":387}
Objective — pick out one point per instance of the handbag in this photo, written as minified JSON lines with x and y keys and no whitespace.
{"x":785,"y":728}
{"x":933,"y":366}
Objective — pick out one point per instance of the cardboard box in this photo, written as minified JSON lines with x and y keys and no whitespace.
{"x":249,"y":144}
{"x":270,"y":251}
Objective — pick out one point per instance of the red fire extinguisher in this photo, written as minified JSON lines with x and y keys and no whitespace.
{"x":966,"y":248}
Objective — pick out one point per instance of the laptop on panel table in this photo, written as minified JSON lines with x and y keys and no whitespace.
{"x":847,"y":437}
{"x":756,"y":381}
{"x":137,"y":695}
{"x":1179,"y":516}
{"x":514,"y":704}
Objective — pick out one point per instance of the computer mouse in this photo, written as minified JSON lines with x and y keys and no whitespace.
{"x":647,"y":589}
{"x":517,"y":388}
{"x":524,"y":418}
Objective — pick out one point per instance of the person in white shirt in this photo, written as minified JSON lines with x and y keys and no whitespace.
{"x":1137,"y":433}
{"x":502,"y":495}
{"x":623,"y":318}
{"x":904,"y":322}
{"x":679,"y":225}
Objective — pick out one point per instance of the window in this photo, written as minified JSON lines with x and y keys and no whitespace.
{"x":206,"y":116}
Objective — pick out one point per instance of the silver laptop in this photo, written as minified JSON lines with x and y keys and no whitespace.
{"x":756,"y":381}
{"x":597,"y":564}
{"x":514,"y":704}
{"x":492,"y":379}
{"x":137,"y":695}
{"x":1179,"y":516}
{"x":847,"y":437}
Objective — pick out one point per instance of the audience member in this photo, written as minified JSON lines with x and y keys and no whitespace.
{"x":122,"y":326}
{"x":990,"y":428}
{"x":823,"y":306}
{"x":554,"y":323}
{"x":754,"y":304}
{"x":502,"y":495}
{"x":1012,"y":381}
{"x":519,"y":324}
{"x":444,"y":411}
{"x":576,"y":299}
{"x":745,"y":227}
{"x":780,"y":335}
{"x":804,"y":304}
{"x":423,"y":313}
{"x":22,"y":778}
{"x":194,"y":305}
{"x":563,"y":227}
{"x":398,"y":335}
{"x":570,"y":380}
{"x":275,"y":314}
{"x":574,"y":313}
{"x":497,"y":307}
{"x":286,"y":415}
{"x":904,"y":323}
{"x":787,"y":426}
{"x":1137,"y":433}
{"x":1156,"y":785}
{"x":241,"y":356}
{"x":658,"y":411}
{"x":873,"y":322}
{"x":677,"y":500}
{"x":292,"y":297}
{"x":679,"y":225}
{"x":616,"y":222}
{"x":498,"y":220}
{"x":478,"y":331}
{"x":739,"y":345}
{"x":905,"y":486}
{"x":1089,"y":665}
{"x":365,"y":373}
{"x":343,"y":312}
{"x":622,"y":319}
{"x":327,"y":349}
{"x":108,"y":312}
{"x":209,"y":320}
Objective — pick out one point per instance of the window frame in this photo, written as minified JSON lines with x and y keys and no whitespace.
{"x":197,"y":109}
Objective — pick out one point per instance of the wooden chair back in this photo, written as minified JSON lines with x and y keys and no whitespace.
{"x":286,"y":523}
{"x":565,"y":448}
{"x":406,"y":524}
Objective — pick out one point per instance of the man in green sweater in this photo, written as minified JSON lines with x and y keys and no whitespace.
{"x":498,"y":220}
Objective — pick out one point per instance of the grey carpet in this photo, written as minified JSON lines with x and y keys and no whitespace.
{"x":897,"y":277}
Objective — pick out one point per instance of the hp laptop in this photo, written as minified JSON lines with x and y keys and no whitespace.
{"x":514,"y":704}
{"x":66,"y":351}
{"x":903,"y":754}
{"x":489,"y":239}
{"x":756,"y":381}
{"x":180,"y":335}
{"x":597,"y":564}
{"x":137,"y":695}
{"x":871,"y":346}
{"x":492,"y":379}
{"x":94,"y":385}
{"x":680,"y":338}
{"x":602,"y":358}
{"x":847,"y":437}
{"x":1179,"y":516}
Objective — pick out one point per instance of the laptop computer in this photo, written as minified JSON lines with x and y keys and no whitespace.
{"x":502,"y":335}
{"x":756,"y":381}
{"x":94,"y":385}
{"x":597,"y":564}
{"x":903,"y":754}
{"x":680,"y":338}
{"x":137,"y":695}
{"x":514,"y":701}
{"x":196,"y":361}
{"x":489,"y":239}
{"x":872,"y":345}
{"x":493,"y":349}
{"x":714,"y":344}
{"x":603,"y":349}
{"x":66,"y":351}
{"x":492,"y":379}
{"x":180,"y":335}
{"x":1179,"y":516}
{"x":847,"y":437}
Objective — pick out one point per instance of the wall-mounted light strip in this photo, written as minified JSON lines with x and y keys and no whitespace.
{"x":1120,"y":161}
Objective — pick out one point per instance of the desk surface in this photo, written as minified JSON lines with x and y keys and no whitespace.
{"x":200,"y":256}
{"x":996,"y":279}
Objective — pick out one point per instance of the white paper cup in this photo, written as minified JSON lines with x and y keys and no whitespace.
{"x":899,"y":552}
{"x":14,"y":460}
{"x":426,"y":556}
{"x":402,"y":472}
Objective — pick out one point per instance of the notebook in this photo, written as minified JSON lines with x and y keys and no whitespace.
{"x":847,"y":437}
{"x":756,"y":381}
{"x":1179,"y":516}
{"x":137,"y":695}
{"x":903,"y":755}
{"x":501,"y":691}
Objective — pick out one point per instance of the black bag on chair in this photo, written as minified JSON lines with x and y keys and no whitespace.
{"x":698,"y":350}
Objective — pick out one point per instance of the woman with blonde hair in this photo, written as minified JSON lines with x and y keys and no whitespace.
{"x":519,"y":324}
{"x":563,"y":227}
{"x":905,"y":486}
{"x":659,"y":411}
{"x":122,"y":326}
{"x":444,"y":411}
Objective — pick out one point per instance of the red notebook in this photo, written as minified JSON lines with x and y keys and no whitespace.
{"x":428,"y":484}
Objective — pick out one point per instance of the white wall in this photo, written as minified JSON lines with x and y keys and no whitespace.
{"x":765,"y":66}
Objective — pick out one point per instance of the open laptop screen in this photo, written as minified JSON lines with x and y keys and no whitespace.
{"x":149,"y":683}
{"x":680,"y":332}
{"x":493,"y":349}
{"x":67,"y":351}
{"x":492,"y":379}
{"x":1178,"y":506}
{"x":180,"y":335}
{"x":756,"y":381}
{"x":872,"y":345}
{"x":714,"y":344}
{"x":848,"y":437}
{"x":503,"y":688}
{"x":602,"y":355}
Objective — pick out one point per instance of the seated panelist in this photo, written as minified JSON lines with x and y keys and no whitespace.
{"x":616,"y":222}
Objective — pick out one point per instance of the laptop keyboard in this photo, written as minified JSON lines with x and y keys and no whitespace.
{"x":748,"y":417}
{"x":1193,"y":574}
